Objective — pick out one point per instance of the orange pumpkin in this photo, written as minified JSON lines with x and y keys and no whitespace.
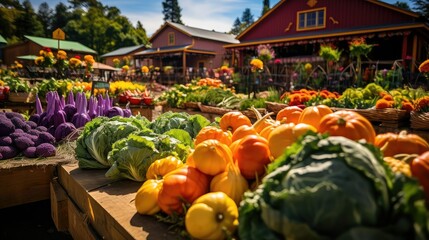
{"x":212,"y":132}
{"x":232,"y":120}
{"x":348,"y":124}
{"x":313,"y":114}
{"x":252,"y":155}
{"x":420,"y":170}
{"x":211,"y":157}
{"x":266,"y":131}
{"x":243,"y":131}
{"x":394,"y":143}
{"x":285,"y":135}
{"x":289,"y":114}
{"x":182,"y":186}
{"x":231,"y":182}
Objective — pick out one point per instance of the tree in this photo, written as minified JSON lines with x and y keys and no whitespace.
{"x":265,"y":6}
{"x":402,"y":5}
{"x":422,"y":7}
{"x":45,"y":15}
{"x":61,"y":16}
{"x":172,"y":11}
{"x":236,"y":27}
{"x":27,"y":22}
{"x":247,"y":18}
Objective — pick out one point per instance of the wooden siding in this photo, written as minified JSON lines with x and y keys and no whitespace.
{"x":213,"y":46}
{"x":161,"y":40}
{"x":350,"y":14}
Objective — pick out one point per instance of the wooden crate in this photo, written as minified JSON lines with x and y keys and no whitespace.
{"x":108,"y":205}
{"x":59,"y":206}
{"x":78,"y":224}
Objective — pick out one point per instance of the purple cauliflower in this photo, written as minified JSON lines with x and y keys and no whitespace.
{"x":5,"y":141}
{"x":23,"y":142}
{"x":46,"y":150}
{"x":8,"y":152}
{"x":6,"y":126}
{"x":30,"y":152}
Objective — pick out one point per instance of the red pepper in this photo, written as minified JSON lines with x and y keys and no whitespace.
{"x":420,"y":170}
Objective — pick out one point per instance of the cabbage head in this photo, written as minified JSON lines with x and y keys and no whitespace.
{"x":98,"y":136}
{"x":330,"y":188}
{"x":131,"y":157}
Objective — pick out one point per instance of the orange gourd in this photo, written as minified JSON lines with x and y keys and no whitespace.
{"x":252,"y":155}
{"x":289,"y":114}
{"x":348,"y":124}
{"x":211,"y":157}
{"x":392,"y":144}
{"x":232,"y":120}
{"x":285,"y":135}
{"x":230,"y":182}
{"x":159,"y":168}
{"x":266,"y":131}
{"x":182,"y":186}
{"x":243,"y":131}
{"x":212,"y":132}
{"x":262,"y":122}
{"x":146,"y":201}
{"x":313,"y":114}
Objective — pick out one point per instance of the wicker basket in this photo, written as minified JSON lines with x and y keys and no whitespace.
{"x":211,"y":109}
{"x":21,"y":97}
{"x":381,"y":115}
{"x":275,"y":107}
{"x":419,"y":120}
{"x":251,"y":114}
{"x":192,"y":105}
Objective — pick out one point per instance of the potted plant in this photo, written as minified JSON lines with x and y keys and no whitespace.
{"x":147,"y":98}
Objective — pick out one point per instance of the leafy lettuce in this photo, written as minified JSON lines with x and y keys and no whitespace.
{"x":131,"y":157}
{"x":333,"y":188}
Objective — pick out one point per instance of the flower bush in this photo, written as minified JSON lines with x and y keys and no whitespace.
{"x":75,"y":62}
{"x":265,"y":53}
{"x":46,"y":58}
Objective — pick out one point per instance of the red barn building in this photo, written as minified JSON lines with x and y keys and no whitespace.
{"x":187,"y":51}
{"x":297,"y":28}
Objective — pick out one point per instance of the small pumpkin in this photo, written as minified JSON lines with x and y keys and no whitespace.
{"x":392,"y":144}
{"x":159,"y":168}
{"x":212,"y":216}
{"x":348,"y":124}
{"x":313,"y":114}
{"x":266,"y":131}
{"x":146,"y":201}
{"x":243,"y":131}
{"x":231,"y":182}
{"x":181,"y":187}
{"x":285,"y":135}
{"x":212,"y":132}
{"x":211,"y":157}
{"x":252,"y":155}
{"x":255,"y":128}
{"x":289,"y":114}
{"x":420,"y":170}
{"x":232,"y":120}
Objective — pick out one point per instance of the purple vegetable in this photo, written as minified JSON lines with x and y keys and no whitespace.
{"x":70,"y":99}
{"x":115,"y":111}
{"x":81,"y":117}
{"x":32,"y":124}
{"x":30,"y":152}
{"x":6,"y":126}
{"x":11,"y":115}
{"x":92,"y":107}
{"x":41,"y":129}
{"x":39,"y":109}
{"x":45,"y":137}
{"x":59,"y":115}
{"x":20,"y":124}
{"x":5,"y":141}
{"x":23,"y":143}
{"x":7,"y":152}
{"x":127,"y":110}
{"x":46,"y":150}
{"x":70,"y":111}
{"x":63,"y":130}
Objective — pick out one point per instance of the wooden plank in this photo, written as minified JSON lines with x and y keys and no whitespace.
{"x":21,"y":185}
{"x":78,"y":224}
{"x":109,"y":205}
{"x":59,"y":206}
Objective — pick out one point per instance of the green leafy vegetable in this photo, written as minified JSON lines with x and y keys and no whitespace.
{"x":333,"y":188}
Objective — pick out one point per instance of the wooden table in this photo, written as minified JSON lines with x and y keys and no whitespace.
{"x":98,"y":207}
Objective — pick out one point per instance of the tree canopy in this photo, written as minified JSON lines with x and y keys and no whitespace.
{"x":84,"y":21}
{"x":172,"y":11}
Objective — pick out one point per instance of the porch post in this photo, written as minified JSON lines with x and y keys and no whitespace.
{"x":413,"y":61}
{"x":184,"y":66}
{"x":404,"y":45}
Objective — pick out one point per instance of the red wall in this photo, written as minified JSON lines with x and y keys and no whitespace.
{"x":349,"y":14}
{"x":161,"y":39}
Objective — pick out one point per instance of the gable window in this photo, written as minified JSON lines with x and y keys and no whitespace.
{"x":311,"y":19}
{"x":171,"y":38}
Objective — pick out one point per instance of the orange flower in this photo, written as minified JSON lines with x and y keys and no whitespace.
{"x":424,"y":67}
{"x":388,"y":97}
{"x":295,"y":99}
{"x":407,"y":105}
{"x":422,"y":104}
{"x":383,"y":103}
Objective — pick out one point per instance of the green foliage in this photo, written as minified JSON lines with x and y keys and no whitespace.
{"x":172,"y":11}
{"x":320,"y":179}
{"x":16,"y":84}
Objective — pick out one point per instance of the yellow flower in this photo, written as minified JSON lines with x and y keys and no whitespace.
{"x":74,"y":62}
{"x":61,"y":55}
{"x":308,"y":66}
{"x":256,"y":64}
{"x":39,"y":60}
{"x":125,"y":67}
{"x":116,"y":60}
{"x":145,"y":69}
{"x":89,"y":59}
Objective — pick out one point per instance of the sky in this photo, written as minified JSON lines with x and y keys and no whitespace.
{"x":218,"y":15}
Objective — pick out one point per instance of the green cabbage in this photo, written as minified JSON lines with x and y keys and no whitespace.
{"x":333,"y":188}
{"x":94,"y":144}
{"x":131,"y":157}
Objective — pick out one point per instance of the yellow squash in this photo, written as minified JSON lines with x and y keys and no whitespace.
{"x":214,"y":215}
{"x":146,"y":200}
{"x":230,"y":182}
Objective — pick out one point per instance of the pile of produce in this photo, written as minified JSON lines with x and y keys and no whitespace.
{"x":19,"y":137}
{"x":127,"y":146}
{"x":309,"y":174}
